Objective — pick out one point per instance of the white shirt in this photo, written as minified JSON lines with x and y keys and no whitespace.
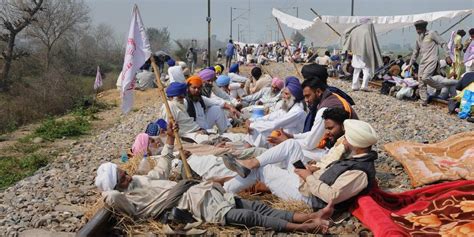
{"x":176,"y":74}
{"x":291,"y":121}
{"x":185,"y":122}
{"x":323,"y":60}
{"x":310,"y":140}
{"x":200,"y":111}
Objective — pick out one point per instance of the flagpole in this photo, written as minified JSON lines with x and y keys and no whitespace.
{"x":288,"y":48}
{"x":161,"y":92}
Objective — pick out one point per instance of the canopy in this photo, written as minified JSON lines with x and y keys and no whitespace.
{"x":321,"y":35}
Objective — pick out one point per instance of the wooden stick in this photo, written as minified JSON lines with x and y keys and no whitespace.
{"x":288,"y":48}
{"x":161,"y":92}
{"x":334,"y":30}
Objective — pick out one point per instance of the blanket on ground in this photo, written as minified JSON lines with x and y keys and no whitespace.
{"x":445,"y":209}
{"x":451,"y":159}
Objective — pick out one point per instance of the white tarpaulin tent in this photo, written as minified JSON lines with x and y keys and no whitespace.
{"x":322,"y":36}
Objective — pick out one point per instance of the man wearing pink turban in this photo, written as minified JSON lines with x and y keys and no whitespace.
{"x":146,"y":144}
{"x":267,"y":96}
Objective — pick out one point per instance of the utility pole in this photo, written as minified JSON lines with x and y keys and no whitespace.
{"x":352,"y":7}
{"x":208,"y":33}
{"x":230,"y":22}
{"x":297,"y":15}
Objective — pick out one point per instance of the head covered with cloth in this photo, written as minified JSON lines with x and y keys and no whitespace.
{"x":359,"y":134}
{"x":294,"y":86}
{"x":207,"y":75}
{"x":176,"y":89}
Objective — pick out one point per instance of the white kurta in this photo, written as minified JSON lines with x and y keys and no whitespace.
{"x":185,"y":122}
{"x":206,"y":201}
{"x":359,"y":66}
{"x":176,"y":74}
{"x":234,"y":77}
{"x":212,"y":115}
{"x":291,"y":122}
{"x":310,"y":140}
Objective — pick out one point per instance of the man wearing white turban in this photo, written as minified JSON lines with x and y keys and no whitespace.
{"x":345,"y":172}
{"x":152,"y":195}
{"x":106,"y":178}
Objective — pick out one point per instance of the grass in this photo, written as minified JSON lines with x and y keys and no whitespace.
{"x":52,"y":129}
{"x":14,"y":169}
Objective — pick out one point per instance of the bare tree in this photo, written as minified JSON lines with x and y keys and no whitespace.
{"x":58,"y":18}
{"x":15,"y":15}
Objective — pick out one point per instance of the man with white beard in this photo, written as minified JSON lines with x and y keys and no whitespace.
{"x":290,"y":117}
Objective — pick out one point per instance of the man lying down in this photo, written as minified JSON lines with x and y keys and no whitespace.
{"x":154,"y":196}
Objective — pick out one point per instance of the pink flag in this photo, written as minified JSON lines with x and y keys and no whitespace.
{"x":98,"y":79}
{"x":136,"y":53}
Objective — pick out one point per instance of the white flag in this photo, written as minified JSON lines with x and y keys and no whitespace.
{"x":98,"y":79}
{"x":136,"y":53}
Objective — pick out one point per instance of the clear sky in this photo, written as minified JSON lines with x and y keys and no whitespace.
{"x":186,"y":19}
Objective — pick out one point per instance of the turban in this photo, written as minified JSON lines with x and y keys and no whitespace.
{"x":359,"y":133}
{"x":211,"y":68}
{"x":277,"y":82}
{"x":182,"y":64}
{"x":152,"y":129}
{"x":194,"y":80}
{"x":218,"y":69}
{"x":222,"y":67}
{"x":234,"y":68}
{"x":310,"y":71}
{"x":141,"y":144}
{"x":256,"y":72}
{"x":293,"y":84}
{"x":171,"y":62}
{"x":162,"y":123}
{"x":223,"y":80}
{"x":207,"y":74}
{"x":176,"y":89}
{"x":106,"y":178}
{"x":421,"y":24}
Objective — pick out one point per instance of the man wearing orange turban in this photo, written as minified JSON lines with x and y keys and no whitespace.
{"x":207,"y":112}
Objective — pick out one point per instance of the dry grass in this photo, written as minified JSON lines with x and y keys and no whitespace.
{"x":135,"y":227}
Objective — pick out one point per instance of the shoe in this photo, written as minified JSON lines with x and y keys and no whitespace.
{"x":424,"y":103}
{"x":470,"y":119}
{"x":181,"y":216}
{"x":365,"y":90}
{"x":355,"y":89}
{"x":231,"y":163}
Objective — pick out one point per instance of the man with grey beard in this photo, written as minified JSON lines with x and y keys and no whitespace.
{"x":290,"y":117}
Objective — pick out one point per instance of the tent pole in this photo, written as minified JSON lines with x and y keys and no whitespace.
{"x":288,"y":48}
{"x":462,"y":19}
{"x":334,"y":30}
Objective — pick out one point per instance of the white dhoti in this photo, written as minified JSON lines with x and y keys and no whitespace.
{"x":215,"y":115}
{"x":275,"y":171}
{"x":283,"y":183}
{"x":360,"y":66}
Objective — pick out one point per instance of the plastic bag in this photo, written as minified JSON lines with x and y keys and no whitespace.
{"x":467,"y":102}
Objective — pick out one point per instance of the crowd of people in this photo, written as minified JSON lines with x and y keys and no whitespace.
{"x":303,"y":140}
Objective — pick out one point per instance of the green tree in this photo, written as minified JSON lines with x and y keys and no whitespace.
{"x":159,"y":38}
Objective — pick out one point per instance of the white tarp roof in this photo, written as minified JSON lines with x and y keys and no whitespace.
{"x":321,"y":35}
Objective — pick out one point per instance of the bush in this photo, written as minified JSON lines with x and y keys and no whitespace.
{"x":52,"y":129}
{"x":15,"y":169}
